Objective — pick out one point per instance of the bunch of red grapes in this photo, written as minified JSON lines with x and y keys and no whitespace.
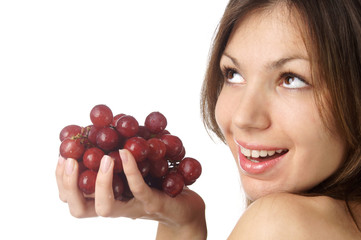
{"x":160,"y":156}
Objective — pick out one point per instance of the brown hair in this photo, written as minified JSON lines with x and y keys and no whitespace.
{"x":333,"y":40}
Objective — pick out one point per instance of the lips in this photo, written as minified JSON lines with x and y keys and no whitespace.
{"x":259,"y":159}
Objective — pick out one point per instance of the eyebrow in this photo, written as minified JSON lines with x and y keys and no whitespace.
{"x":272,"y":65}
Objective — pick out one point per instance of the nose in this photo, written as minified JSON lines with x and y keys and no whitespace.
{"x":252,"y":111}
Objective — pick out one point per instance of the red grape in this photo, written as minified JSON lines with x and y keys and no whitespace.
{"x":92,"y":158}
{"x":187,"y":183}
{"x":158,"y":154}
{"x":157,"y":149}
{"x":92,"y":134}
{"x":70,"y":148}
{"x":107,"y":139}
{"x":174,"y":145}
{"x":159,"y":168}
{"x":155,"y":122}
{"x":116,"y":118}
{"x":190,"y":169}
{"x":118,"y":165}
{"x":101,"y":116}
{"x":143,"y":132}
{"x":118,"y":186}
{"x":84,"y":137}
{"x":127,"y":194}
{"x":173,"y":184}
{"x":144,"y":167}
{"x":70,"y":131}
{"x":81,"y":167}
{"x":86,"y":181}
{"x":139,"y":147}
{"x":127,"y":126}
{"x":179,"y":157}
{"x":159,"y":135}
{"x":153,"y":182}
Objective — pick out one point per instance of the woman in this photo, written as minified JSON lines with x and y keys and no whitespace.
{"x":283,"y":91}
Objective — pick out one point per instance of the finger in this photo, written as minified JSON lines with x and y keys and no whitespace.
{"x":104,"y":197}
{"x":105,"y":203}
{"x":138,"y":187}
{"x":59,"y":178}
{"x":79,"y":207}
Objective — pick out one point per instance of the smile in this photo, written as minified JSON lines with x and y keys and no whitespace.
{"x":259,"y":159}
{"x":261,"y":155}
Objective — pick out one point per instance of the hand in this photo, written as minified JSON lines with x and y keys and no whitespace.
{"x":182,"y":214}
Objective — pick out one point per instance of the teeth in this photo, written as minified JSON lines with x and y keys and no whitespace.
{"x":246,"y":152}
{"x":271,"y":153}
{"x":253,"y":160}
{"x":263,"y":153}
{"x":259,"y":153}
{"x":255,"y":154}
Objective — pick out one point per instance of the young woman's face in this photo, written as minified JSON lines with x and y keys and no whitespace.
{"x":267,"y":112}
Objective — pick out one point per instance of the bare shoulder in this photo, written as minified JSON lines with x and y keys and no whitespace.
{"x":288,"y":216}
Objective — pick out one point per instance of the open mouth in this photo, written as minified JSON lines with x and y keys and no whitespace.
{"x":258,"y":156}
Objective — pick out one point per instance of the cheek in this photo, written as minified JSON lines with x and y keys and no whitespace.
{"x":296,"y":117}
{"x":316,"y":152}
{"x":223,"y":113}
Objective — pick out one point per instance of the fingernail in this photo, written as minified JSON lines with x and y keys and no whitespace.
{"x":105,"y":164}
{"x":123,"y":156}
{"x":61,"y":160}
{"x":69,"y":166}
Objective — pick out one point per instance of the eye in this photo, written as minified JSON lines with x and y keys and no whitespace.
{"x":232,"y":76}
{"x":292,"y":81}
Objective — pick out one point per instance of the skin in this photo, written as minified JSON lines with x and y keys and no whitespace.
{"x":182,"y":217}
{"x":284,"y":216}
{"x":260,"y":109}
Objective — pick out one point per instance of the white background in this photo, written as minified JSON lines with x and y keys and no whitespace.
{"x":60,"y":58}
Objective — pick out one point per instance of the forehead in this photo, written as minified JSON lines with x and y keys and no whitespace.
{"x":268,"y":33}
